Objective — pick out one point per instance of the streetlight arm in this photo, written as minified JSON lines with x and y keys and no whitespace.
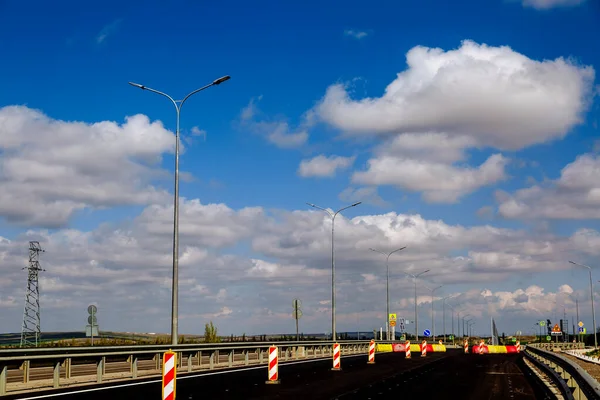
{"x":321,"y":208}
{"x":424,"y":272}
{"x":196,"y":91}
{"x":345,"y":208}
{"x":157,"y":92}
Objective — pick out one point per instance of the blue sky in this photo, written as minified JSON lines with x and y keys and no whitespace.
{"x":308,"y":80}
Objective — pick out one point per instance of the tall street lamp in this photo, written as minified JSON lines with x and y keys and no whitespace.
{"x":463,"y":323}
{"x":432,"y":310}
{"x":333,"y":215}
{"x":387,"y":285}
{"x":416,"y":313}
{"x":592,"y":296}
{"x":175,"y":291}
{"x":444,"y":315}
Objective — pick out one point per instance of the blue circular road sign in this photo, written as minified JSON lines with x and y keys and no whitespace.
{"x":426,"y":332}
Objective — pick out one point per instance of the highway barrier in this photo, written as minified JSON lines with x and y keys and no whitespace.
{"x":571,"y":379}
{"x":494,"y":349}
{"x":26,"y":369}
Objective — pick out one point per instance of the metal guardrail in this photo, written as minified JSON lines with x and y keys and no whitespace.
{"x":581,"y":384}
{"x":34,"y":368}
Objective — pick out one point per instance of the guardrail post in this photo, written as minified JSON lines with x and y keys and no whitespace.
{"x":230,"y":358}
{"x":133,"y":360}
{"x":260,"y":356}
{"x":246,"y":357}
{"x":67,"y":366}
{"x":100,"y":369}
{"x":25,"y":368}
{"x":3,"y":373}
{"x":158,"y":361}
{"x":189,"y":362}
{"x":56,"y":375}
{"x":211,"y":360}
{"x":199,"y":355}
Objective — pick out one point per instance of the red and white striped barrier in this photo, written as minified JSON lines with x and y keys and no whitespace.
{"x":407,"y":347}
{"x":518,"y":346}
{"x":336,"y":357}
{"x":481,"y":343}
{"x":441,"y":343}
{"x":424,"y":348}
{"x":273,"y":366}
{"x":466,"y":344}
{"x":169,"y":375}
{"x":371,"y":352}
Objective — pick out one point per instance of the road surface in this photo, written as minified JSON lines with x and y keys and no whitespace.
{"x":449,"y":375}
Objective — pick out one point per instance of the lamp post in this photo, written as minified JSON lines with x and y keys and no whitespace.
{"x":463,"y":323}
{"x":387,"y":285}
{"x":592,"y":297}
{"x":467,"y":322}
{"x":432,"y":310}
{"x":175,"y":290}
{"x":333,"y":215}
{"x":444,"y":315}
{"x":416,"y":313}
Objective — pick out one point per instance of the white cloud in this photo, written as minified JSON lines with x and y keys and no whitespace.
{"x":439,"y":182}
{"x":107,"y":31}
{"x":367,"y":195}
{"x":548,"y":4}
{"x":355,"y":34}
{"x":287,"y":255}
{"x":276,"y":131}
{"x":493,"y":95}
{"x":322,"y":166}
{"x":574,"y":195}
{"x":51,"y":168}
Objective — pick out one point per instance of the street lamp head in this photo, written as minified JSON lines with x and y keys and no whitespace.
{"x":137,"y":85}
{"x":310,"y":204}
{"x":221,"y":80}
{"x":355,"y":204}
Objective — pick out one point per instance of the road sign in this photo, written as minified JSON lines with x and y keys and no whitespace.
{"x":548,"y":338}
{"x":542,"y":323}
{"x":92,"y":309}
{"x":392,"y":323}
{"x":403,"y":337}
{"x":451,"y":337}
{"x":392,"y":317}
{"x":580,"y":329}
{"x":519,"y":333}
{"x":426,"y":332}
{"x":556,"y":330}
{"x":580,"y":324}
{"x":92,"y":320}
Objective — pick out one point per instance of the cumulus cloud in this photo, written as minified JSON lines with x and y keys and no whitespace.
{"x":322,"y":166}
{"x":446,"y":103}
{"x":440,"y":183}
{"x":574,"y":195}
{"x":285,"y":255}
{"x":548,"y":4}
{"x":51,"y":168}
{"x":494,"y":95}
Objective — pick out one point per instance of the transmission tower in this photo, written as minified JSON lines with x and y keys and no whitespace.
{"x":31,"y":331}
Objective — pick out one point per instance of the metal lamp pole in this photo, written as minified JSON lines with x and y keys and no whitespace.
{"x":333,"y":215}
{"x":416,"y":313}
{"x":432,"y":310}
{"x":444,"y":314}
{"x":175,"y":291}
{"x":463,"y":323}
{"x":467,"y":322}
{"x":387,"y":285}
{"x":592,"y":296}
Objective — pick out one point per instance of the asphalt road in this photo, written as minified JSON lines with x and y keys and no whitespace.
{"x":449,"y":375}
